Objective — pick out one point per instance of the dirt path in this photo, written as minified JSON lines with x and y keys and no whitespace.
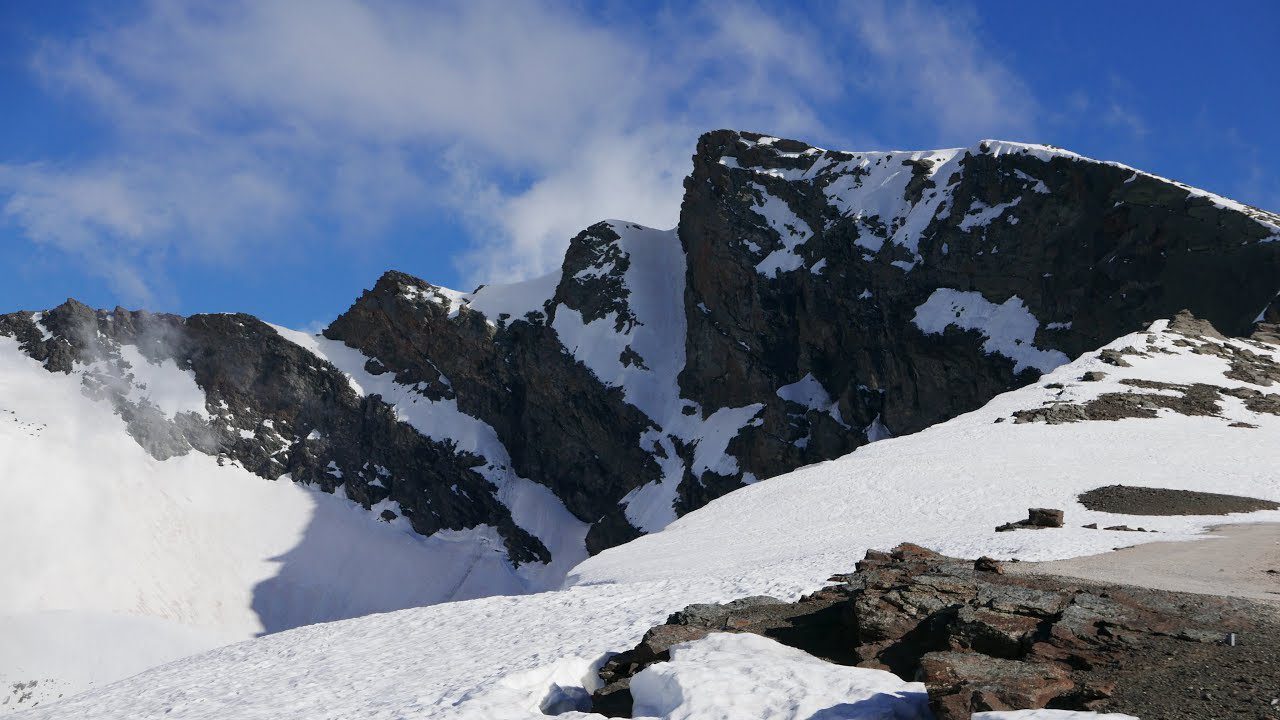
{"x":1233,"y":561}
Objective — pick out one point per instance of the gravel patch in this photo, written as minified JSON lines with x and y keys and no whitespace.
{"x":1126,"y":500}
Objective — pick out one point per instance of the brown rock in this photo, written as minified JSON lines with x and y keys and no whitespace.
{"x":968,"y":682}
{"x":994,"y":633}
{"x":1036,"y":518}
{"x":982,"y":640}
{"x":987,"y":564}
{"x":1045,"y":517}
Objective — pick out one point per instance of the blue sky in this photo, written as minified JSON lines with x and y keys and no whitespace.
{"x":275,"y":157}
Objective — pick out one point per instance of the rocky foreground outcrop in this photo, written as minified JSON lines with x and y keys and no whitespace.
{"x":980,"y":639}
{"x":809,"y":302}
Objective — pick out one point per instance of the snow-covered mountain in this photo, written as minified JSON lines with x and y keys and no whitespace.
{"x":115,"y":561}
{"x":949,"y":486}
{"x":204,"y":479}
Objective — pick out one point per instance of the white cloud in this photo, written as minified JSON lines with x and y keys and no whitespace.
{"x":515,"y":78}
{"x":934,"y":64}
{"x":635,"y":177}
{"x":1124,"y":117}
{"x":240,"y":122}
{"x":129,"y":218}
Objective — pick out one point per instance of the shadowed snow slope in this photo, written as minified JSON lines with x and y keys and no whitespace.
{"x":115,"y":561}
{"x":946,"y":487}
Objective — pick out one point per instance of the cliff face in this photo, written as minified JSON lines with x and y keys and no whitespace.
{"x":809,"y":302}
{"x":915,"y":286}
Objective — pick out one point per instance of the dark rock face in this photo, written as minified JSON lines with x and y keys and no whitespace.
{"x":981,"y":640}
{"x":560,"y":425}
{"x":273,"y":408}
{"x":820,"y":300}
{"x":1091,"y":249}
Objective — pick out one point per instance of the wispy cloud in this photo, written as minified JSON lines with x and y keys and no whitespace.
{"x":1121,"y":116}
{"x":934,"y":64}
{"x":131,"y":216}
{"x":241,"y":122}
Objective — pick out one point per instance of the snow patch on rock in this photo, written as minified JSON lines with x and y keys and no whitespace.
{"x":980,"y":214}
{"x":1009,"y":328}
{"x":809,"y":392}
{"x":791,"y":230}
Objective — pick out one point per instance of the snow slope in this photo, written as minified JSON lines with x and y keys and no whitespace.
{"x":946,"y":487}
{"x":654,"y":282}
{"x":949,"y":486}
{"x":115,"y":562}
{"x":730,"y":676}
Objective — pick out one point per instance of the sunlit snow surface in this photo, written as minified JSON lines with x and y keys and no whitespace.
{"x":1050,"y":715}
{"x":732,"y":677}
{"x":946,"y":487}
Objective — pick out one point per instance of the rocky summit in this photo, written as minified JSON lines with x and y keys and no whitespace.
{"x":809,"y":302}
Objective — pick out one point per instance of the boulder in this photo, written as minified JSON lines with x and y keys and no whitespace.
{"x":986,"y":564}
{"x":1037,"y":518}
{"x":1045,"y":517}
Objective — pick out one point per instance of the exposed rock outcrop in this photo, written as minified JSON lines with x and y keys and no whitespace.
{"x":982,"y":640}
{"x":1248,"y":361}
{"x":1128,"y":500}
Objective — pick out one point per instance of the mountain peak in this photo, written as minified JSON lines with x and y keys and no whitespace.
{"x":809,"y":303}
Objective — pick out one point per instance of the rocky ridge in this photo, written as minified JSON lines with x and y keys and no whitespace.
{"x":810,"y":301}
{"x":269,"y":406}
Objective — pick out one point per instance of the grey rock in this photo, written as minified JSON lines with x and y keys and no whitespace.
{"x":714,"y":615}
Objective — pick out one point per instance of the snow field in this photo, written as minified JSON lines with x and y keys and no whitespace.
{"x":115,"y":561}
